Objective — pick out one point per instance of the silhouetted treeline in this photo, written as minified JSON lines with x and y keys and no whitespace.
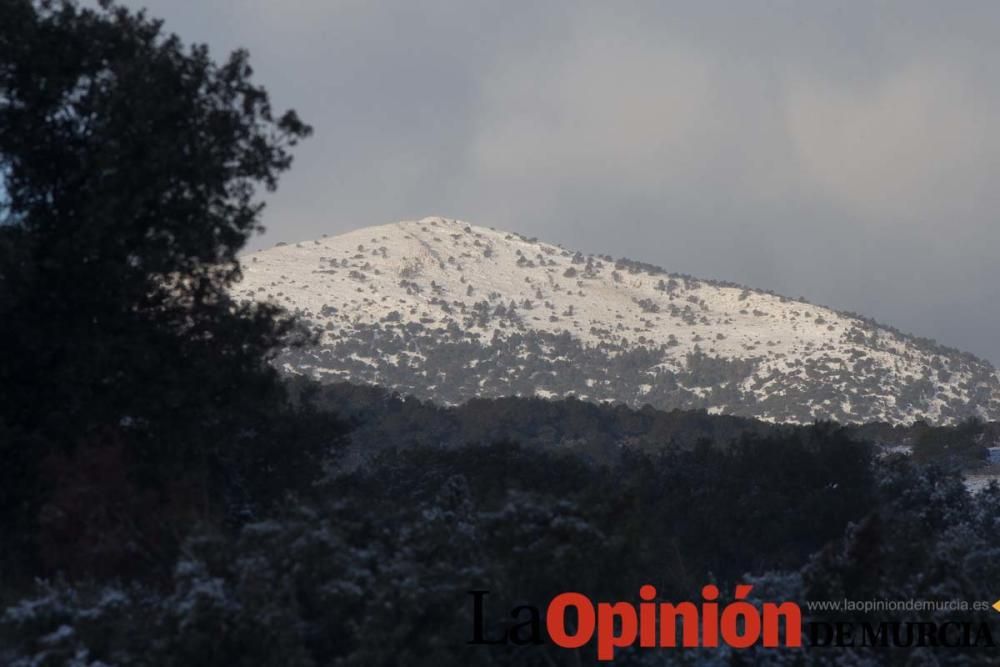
{"x":386,"y":419}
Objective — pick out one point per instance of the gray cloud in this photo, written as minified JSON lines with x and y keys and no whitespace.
{"x":843,"y":152}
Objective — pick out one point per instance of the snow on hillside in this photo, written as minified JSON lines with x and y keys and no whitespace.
{"x":447,"y":310}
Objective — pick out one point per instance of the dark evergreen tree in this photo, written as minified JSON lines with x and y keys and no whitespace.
{"x":130,"y":169}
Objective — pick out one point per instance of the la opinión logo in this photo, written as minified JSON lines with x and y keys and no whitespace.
{"x":572,"y":620}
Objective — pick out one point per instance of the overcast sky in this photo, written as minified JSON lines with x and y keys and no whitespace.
{"x":845,"y":152}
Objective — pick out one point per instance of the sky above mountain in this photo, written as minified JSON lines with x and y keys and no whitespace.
{"x":844,"y":152}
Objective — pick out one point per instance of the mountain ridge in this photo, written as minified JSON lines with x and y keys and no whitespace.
{"x":447,"y":310}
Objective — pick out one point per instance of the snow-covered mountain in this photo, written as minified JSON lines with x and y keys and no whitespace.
{"x":445,"y":310}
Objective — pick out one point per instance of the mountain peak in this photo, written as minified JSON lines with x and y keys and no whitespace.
{"x":448,"y":310}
